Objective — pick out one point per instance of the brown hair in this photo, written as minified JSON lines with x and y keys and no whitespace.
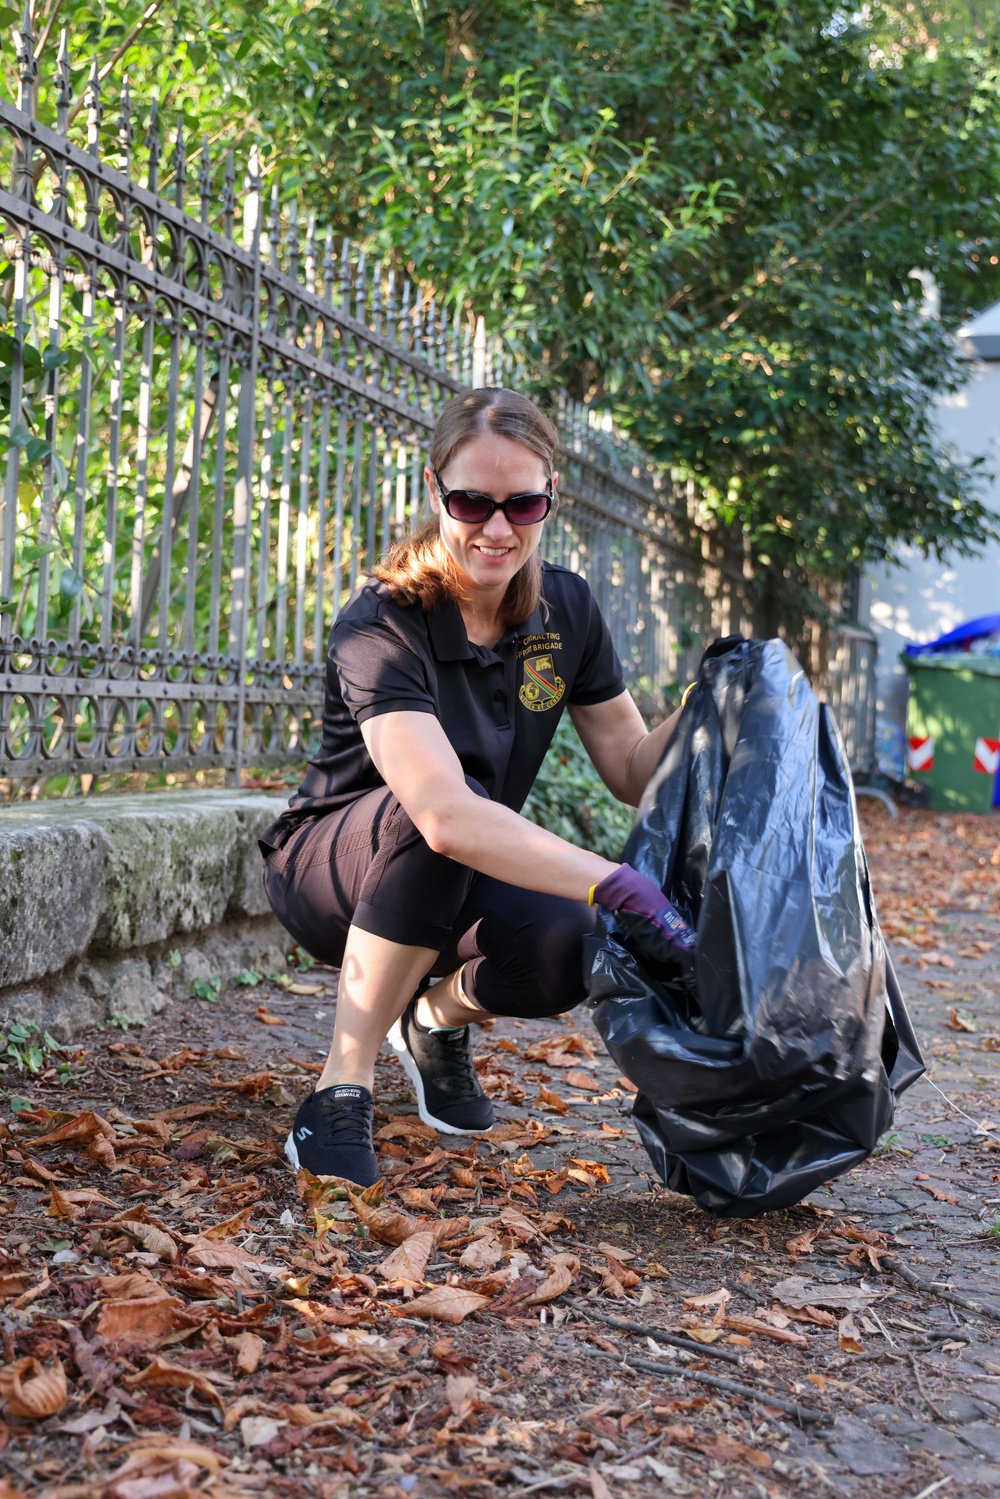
{"x":419,"y":569}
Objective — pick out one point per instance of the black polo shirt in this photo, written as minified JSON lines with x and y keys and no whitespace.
{"x":498,"y":707}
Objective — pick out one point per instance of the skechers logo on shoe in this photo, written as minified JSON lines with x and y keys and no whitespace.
{"x":346,"y":1092}
{"x":303,"y":1133}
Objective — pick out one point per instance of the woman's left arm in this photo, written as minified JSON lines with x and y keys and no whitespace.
{"x":624,"y":752}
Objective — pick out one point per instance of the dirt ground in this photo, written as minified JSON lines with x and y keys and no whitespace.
{"x":528,"y":1313}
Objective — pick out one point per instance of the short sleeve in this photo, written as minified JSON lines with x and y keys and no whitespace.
{"x":600,"y":676}
{"x":378,"y":670}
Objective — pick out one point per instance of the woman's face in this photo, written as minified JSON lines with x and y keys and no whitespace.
{"x":490,"y":553}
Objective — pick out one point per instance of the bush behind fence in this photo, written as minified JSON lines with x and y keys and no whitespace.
{"x":217,"y":419}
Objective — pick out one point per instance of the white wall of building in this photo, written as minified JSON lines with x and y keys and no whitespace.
{"x":922,"y":598}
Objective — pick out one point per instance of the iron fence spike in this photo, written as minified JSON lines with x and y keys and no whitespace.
{"x":63,"y":82}
{"x":229,"y":196}
{"x":27,"y":63}
{"x":153,"y":147}
{"x":180,"y":166}
{"x":126,"y":131}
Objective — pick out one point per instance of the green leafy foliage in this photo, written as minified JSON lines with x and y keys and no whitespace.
{"x":703,"y":217}
{"x":207,"y":988}
{"x":570,"y":799}
{"x":33,"y":1050}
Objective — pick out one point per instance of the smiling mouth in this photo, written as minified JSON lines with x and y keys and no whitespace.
{"x":494,"y":551}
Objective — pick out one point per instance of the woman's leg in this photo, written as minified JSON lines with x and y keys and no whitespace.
{"x":360,"y":889}
{"x":378,"y":978}
{"x":514,"y":952}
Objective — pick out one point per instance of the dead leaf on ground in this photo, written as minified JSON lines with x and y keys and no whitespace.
{"x":561,"y":1270}
{"x":213,"y":1254}
{"x":958,"y":1022}
{"x":266,"y":1018}
{"x":409,"y":1130}
{"x":408,"y":1261}
{"x":938,"y":1194}
{"x":390,"y":1226}
{"x":583,"y":1081}
{"x":249,"y":1349}
{"x":550,"y":1101}
{"x":797,"y":1291}
{"x":140,"y":1322}
{"x":161,"y":1375}
{"x":31,"y":1390}
{"x":446,"y":1304}
{"x":462,"y":1394}
{"x":849,"y":1342}
{"x":766,"y":1330}
{"x":482,"y":1254}
{"x":229,"y":1227}
{"x":713,"y":1299}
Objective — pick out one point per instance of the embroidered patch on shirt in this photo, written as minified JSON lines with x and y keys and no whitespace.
{"x":541,"y":687}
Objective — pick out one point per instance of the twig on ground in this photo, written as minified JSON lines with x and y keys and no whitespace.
{"x":919,"y":1284}
{"x":678,"y":1371}
{"x":657,"y":1334}
{"x":937,"y":1414}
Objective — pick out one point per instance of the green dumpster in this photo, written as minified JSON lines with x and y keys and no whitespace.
{"x":953,"y":728}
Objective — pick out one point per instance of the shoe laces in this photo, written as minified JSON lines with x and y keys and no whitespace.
{"x":346,"y":1121}
{"x":461,"y":1059}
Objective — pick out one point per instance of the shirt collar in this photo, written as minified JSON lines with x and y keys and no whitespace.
{"x":450,"y":639}
{"x":446,"y":628}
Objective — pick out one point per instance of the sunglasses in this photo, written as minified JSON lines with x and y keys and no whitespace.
{"x":475,"y":509}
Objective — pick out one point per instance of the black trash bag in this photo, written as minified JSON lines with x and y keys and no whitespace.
{"x":773,"y":1066}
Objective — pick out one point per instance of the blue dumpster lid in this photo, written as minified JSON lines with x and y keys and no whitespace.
{"x":959,"y":638}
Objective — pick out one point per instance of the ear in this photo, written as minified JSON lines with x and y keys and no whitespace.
{"x":432,"y":493}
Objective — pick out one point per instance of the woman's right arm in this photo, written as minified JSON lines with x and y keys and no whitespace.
{"x":415,"y":759}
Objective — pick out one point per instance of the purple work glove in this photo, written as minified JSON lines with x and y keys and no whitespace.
{"x":628,"y":890}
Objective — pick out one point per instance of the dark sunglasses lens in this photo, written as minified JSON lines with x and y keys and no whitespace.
{"x":527,"y":509}
{"x":466,"y":506}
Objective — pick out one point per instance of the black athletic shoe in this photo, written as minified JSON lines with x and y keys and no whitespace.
{"x":332,"y":1135}
{"x":440,"y":1066}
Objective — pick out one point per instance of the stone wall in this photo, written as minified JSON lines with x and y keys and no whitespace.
{"x":110,"y":905}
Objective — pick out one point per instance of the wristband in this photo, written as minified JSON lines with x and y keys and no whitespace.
{"x":687,"y":692}
{"x":590,"y":897}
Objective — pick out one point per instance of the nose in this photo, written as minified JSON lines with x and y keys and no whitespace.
{"x":498,"y":528}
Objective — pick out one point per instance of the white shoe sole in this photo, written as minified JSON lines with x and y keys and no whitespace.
{"x":399,"y":1046}
{"x":291,"y":1154}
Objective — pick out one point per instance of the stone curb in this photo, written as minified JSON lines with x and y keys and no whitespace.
{"x":95,"y":896}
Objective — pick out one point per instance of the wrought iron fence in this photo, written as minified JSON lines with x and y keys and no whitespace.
{"x":217,"y":422}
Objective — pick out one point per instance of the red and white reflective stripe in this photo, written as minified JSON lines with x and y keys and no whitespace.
{"x":921,"y":754}
{"x":987,"y":756}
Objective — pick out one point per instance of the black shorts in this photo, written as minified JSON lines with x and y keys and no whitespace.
{"x":366,"y":865}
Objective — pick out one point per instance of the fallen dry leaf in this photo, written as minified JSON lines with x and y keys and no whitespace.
{"x":214,"y":1254}
{"x":561,"y":1270}
{"x":482,"y":1254}
{"x":714,"y":1298}
{"x":849,"y":1342}
{"x":550,"y":1102}
{"x":408,"y":1261}
{"x":140,"y":1322}
{"x":229,"y":1227}
{"x":938,"y":1194}
{"x":163,"y":1375}
{"x":32,"y":1390}
{"x":754,"y":1324}
{"x":249,"y":1348}
{"x":266,"y":1018}
{"x":797,"y":1291}
{"x":583,"y":1081}
{"x":462,"y":1394}
{"x":446,"y":1304}
{"x":957,"y":1022}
